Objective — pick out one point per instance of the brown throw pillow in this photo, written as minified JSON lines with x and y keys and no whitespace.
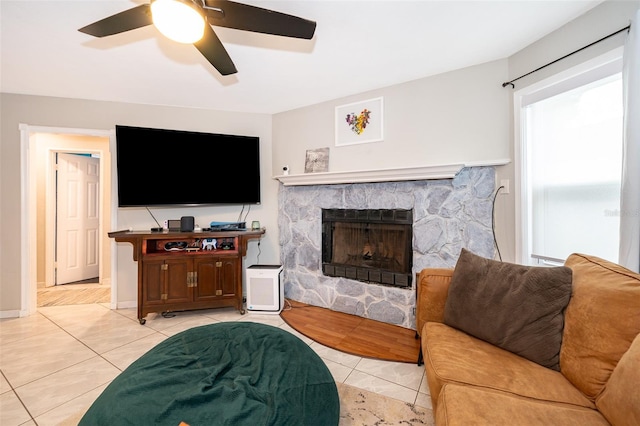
{"x":515,"y":307}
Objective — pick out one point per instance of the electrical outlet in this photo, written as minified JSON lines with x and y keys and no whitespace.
{"x":504,"y":183}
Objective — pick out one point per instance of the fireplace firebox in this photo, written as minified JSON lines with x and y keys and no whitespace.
{"x":373,"y":246}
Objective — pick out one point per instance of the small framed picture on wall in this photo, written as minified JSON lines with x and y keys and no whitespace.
{"x":316,"y":160}
{"x":359,"y":122}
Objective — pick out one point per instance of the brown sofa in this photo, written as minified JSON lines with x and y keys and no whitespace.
{"x":473,"y":382}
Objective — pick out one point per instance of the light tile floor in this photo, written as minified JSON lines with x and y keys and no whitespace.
{"x":56,"y":362}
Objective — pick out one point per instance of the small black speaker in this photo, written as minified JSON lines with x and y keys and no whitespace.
{"x":186,"y":224}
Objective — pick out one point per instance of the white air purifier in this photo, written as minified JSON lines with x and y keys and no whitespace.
{"x":265,"y":290}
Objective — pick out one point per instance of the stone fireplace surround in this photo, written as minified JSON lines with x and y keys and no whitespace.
{"x":448,"y":214}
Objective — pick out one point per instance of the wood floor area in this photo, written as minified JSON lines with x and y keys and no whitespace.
{"x":353,"y":334}
{"x":74,"y":294}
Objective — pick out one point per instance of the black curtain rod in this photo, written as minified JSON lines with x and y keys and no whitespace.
{"x":507,"y":83}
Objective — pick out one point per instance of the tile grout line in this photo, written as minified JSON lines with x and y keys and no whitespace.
{"x":154,"y":332}
{"x":58,"y":371}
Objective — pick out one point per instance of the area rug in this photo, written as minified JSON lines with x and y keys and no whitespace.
{"x":359,"y":407}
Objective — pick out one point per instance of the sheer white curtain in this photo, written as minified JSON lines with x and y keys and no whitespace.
{"x":630,"y":196}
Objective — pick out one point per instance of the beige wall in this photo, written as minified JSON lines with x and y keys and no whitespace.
{"x":82,"y":114}
{"x":460,"y":116}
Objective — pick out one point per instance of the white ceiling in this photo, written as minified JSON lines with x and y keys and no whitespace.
{"x":358,"y":46}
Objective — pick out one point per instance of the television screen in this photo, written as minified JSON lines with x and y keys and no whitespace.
{"x":158,"y":167}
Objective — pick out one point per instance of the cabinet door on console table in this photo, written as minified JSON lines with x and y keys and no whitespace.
{"x":217,"y":278}
{"x":165,"y":281}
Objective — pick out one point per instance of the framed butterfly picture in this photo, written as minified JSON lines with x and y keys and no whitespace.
{"x":359,"y":122}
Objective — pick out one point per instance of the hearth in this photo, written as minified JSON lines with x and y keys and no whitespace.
{"x":371,"y":245}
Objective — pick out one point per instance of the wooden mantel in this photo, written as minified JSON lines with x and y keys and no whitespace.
{"x":382,"y":175}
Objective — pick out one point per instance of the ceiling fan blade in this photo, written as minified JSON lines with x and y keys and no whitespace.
{"x":130,"y":19}
{"x":251,"y":18}
{"x":211,"y":48}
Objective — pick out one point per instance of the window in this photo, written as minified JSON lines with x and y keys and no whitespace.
{"x":571,"y":166}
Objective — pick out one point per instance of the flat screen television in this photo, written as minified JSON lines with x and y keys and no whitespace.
{"x":159,"y":167}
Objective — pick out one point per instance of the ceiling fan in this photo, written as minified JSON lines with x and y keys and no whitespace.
{"x":222,"y":13}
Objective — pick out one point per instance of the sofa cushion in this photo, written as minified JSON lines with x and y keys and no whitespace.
{"x":518,"y":308}
{"x":468,"y":405}
{"x":620,"y":400}
{"x":452,"y":356}
{"x":601,"y":321}
{"x":433,"y":287}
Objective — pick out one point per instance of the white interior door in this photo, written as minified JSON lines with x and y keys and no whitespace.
{"x":77,"y":218}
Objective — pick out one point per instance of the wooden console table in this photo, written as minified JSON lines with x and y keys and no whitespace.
{"x":176,"y":273}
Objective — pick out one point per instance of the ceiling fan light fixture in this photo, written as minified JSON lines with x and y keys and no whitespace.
{"x":178,"y":20}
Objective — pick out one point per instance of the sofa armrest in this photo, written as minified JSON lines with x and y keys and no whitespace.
{"x":433,"y":288}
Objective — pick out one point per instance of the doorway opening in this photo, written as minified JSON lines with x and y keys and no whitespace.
{"x":39,"y":148}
